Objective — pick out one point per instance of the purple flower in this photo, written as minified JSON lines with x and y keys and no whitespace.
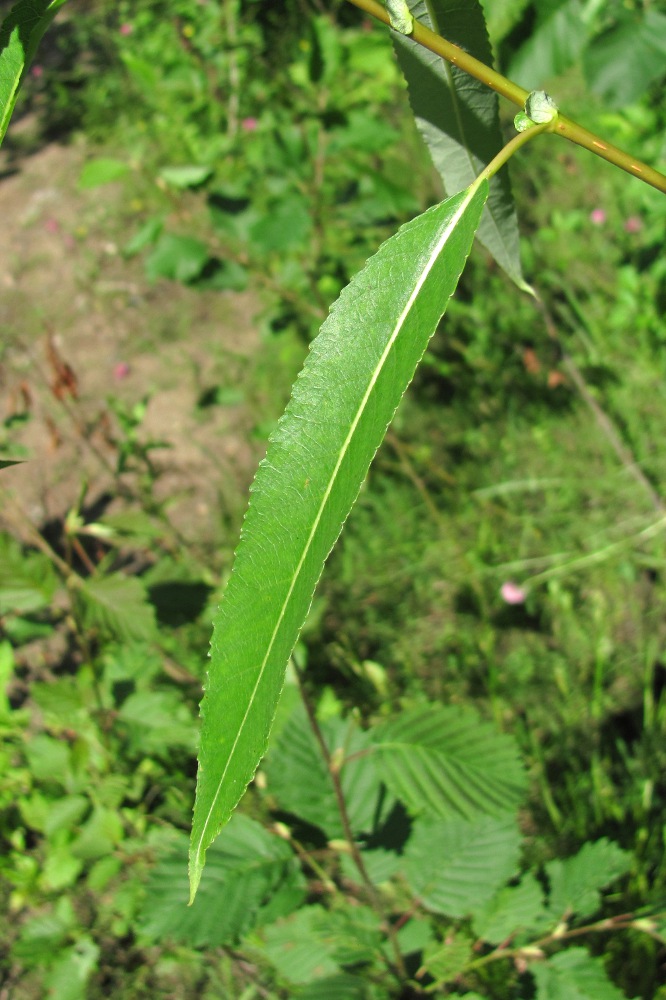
{"x":512,"y":593}
{"x":597,"y":216}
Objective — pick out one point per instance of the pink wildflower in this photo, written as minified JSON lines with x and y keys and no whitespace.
{"x":633,"y":224}
{"x":597,"y":216}
{"x":52,"y":225}
{"x":512,"y":593}
{"x":37,"y":71}
{"x":120,"y":371}
{"x":249,"y":124}
{"x":125,"y":29}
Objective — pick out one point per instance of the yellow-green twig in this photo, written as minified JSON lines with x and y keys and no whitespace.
{"x":565,"y":127}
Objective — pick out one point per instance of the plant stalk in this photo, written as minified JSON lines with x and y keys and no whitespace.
{"x":623,"y":921}
{"x":356,"y":855}
{"x":565,"y":127}
{"x":512,"y":146}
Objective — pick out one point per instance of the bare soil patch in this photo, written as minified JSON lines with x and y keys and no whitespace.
{"x":80,"y":324}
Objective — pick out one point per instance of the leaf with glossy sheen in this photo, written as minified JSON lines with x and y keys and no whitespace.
{"x":357,"y":371}
{"x":458,"y":118}
{"x":20,"y":35}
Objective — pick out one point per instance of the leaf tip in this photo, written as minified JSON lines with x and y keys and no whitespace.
{"x":196,"y":867}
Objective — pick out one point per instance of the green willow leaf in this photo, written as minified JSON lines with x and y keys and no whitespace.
{"x":458,"y":118}
{"x":357,"y":371}
{"x":20,"y":35}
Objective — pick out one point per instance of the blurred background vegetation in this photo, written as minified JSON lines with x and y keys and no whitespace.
{"x":212,"y":174}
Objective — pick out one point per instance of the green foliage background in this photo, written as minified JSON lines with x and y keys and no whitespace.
{"x":291,"y":142}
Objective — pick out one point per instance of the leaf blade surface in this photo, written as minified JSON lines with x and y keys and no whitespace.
{"x":20,"y":34}
{"x":446,"y":762}
{"x":358,"y":369}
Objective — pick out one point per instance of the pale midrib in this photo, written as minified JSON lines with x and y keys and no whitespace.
{"x":343,"y":451}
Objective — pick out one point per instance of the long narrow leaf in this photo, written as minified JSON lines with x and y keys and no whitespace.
{"x":20,"y":35}
{"x":345,"y":397}
{"x":458,"y":118}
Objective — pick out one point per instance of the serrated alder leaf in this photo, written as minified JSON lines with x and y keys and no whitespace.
{"x":20,"y":34}
{"x":299,"y":780}
{"x":458,"y":118}
{"x":454,"y":867}
{"x":575,"y":882}
{"x":68,"y":978}
{"x":298,"y":950}
{"x":574,"y":975}
{"x":339,"y":987}
{"x":357,"y":371}
{"x":445,"y":761}
{"x":354,"y":934}
{"x":512,"y":910}
{"x":253,"y":878}
{"x":27,"y":580}
{"x":116,"y":605}
{"x":444,"y":960}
